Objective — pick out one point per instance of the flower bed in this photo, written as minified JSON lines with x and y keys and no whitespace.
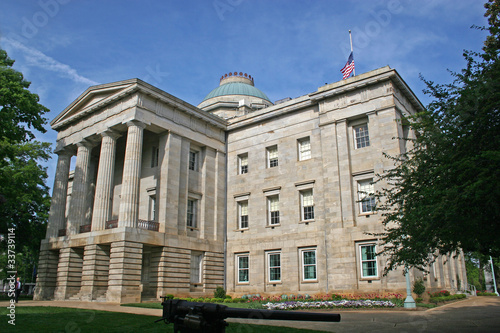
{"x":295,"y":305}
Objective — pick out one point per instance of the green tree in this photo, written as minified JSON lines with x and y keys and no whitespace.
{"x":446,"y":189}
{"x":24,"y":196}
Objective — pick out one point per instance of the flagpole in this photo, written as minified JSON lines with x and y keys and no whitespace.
{"x":350,"y":38}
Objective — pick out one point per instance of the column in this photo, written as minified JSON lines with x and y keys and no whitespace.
{"x":345,"y":176}
{"x":78,"y":204}
{"x":169,"y":183}
{"x":104,"y":184}
{"x":129,"y":203}
{"x":57,"y":212}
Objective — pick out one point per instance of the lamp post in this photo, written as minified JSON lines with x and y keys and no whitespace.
{"x":493,"y":274}
{"x":409,"y":301}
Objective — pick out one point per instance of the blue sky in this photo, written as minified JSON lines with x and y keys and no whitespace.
{"x":290,"y":47}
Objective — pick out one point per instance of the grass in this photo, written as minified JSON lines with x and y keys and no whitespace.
{"x":55,"y":319}
{"x":426,"y":305}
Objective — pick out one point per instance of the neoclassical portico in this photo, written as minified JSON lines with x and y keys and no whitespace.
{"x":104,"y":240}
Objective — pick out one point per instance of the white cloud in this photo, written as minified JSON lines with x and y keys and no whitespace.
{"x":38,"y":59}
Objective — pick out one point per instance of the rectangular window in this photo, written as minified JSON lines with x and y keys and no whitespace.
{"x":307,"y":205}
{"x":304,"y":149}
{"x":193,"y":160}
{"x":368,"y":261}
{"x":361,"y":136}
{"x":243,"y":214}
{"x":152,"y":208}
{"x":273,"y":203}
{"x":366,"y":198}
{"x":272,"y":157}
{"x":242,"y":164}
{"x":274,"y":265}
{"x":308,"y":264}
{"x":196,"y":266}
{"x":191,"y":213}
{"x":243,"y":268}
{"x":155,"y":153}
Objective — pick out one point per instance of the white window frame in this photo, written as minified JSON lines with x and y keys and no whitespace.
{"x":196,"y":270}
{"x":304,"y":148}
{"x":302,"y":206}
{"x":274,"y":267}
{"x":362,"y":261}
{"x":193,"y":160}
{"x":361,"y":136}
{"x":152,"y":208}
{"x":366,"y":191}
{"x":273,"y":202}
{"x":241,"y":209}
{"x":239,"y":268}
{"x":242,"y":164}
{"x":192,"y":213}
{"x":303,"y":263}
{"x":272,"y":156}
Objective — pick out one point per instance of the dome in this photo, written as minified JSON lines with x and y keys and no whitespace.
{"x":235,"y":96}
{"x":236,"y":88}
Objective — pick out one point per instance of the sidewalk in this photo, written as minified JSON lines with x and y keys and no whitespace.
{"x":475,"y":314}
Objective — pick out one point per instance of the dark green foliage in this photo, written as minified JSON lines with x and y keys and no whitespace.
{"x":446,"y":186}
{"x":24,"y":196}
{"x":419,"y":287}
{"x":219,"y":292}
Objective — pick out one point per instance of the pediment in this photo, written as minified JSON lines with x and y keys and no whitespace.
{"x":92,"y":99}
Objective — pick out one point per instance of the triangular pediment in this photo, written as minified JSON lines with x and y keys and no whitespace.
{"x":92,"y":99}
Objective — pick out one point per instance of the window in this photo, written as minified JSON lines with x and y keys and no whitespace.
{"x":304,"y":149}
{"x":191,"y":213}
{"x":307,"y":205}
{"x":308,"y":264}
{"x":193,"y":160}
{"x":366,"y":198}
{"x":242,"y":164}
{"x":243,"y":268}
{"x":274,"y":265}
{"x":368,"y":261}
{"x":155,"y":153}
{"x":361,"y":136}
{"x":152,"y":208}
{"x":196,"y":266}
{"x":273,"y":203}
{"x":272,"y":157}
{"x":243,"y":214}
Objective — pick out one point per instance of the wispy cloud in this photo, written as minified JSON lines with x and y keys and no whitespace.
{"x":39,"y":59}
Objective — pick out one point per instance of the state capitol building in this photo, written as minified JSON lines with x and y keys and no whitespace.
{"x":240,"y":192}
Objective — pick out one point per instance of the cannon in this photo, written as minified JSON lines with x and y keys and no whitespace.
{"x":193,"y":317}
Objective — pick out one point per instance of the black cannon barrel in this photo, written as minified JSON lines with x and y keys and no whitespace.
{"x":280,"y":315}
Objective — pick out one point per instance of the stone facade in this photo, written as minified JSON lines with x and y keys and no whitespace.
{"x":169,"y":198}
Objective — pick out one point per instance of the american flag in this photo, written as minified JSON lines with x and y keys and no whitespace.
{"x":348,"y":68}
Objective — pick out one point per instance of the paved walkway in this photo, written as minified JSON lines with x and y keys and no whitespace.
{"x":475,"y":314}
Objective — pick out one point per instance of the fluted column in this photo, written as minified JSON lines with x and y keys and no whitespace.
{"x":78,"y":204}
{"x":129,"y":202}
{"x":104,"y":184}
{"x":59,"y":194}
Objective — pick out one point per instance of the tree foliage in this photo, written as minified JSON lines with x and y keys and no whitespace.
{"x":446,"y":189}
{"x":24,"y":196}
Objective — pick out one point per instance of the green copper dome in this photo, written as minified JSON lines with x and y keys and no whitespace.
{"x":236,"y":88}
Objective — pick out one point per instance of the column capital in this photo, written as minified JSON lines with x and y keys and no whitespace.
{"x":136,"y":123}
{"x":85,"y":143}
{"x":111,"y":133}
{"x":65,"y":151}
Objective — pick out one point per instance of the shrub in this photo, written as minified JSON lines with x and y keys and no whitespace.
{"x":228,"y":297}
{"x":219,"y":293}
{"x":440,"y":293}
{"x":419,"y":300}
{"x":484,"y":293}
{"x":169,"y":296}
{"x":419,"y":287}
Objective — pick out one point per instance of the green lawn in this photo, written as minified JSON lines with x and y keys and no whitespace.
{"x":54,"y":319}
